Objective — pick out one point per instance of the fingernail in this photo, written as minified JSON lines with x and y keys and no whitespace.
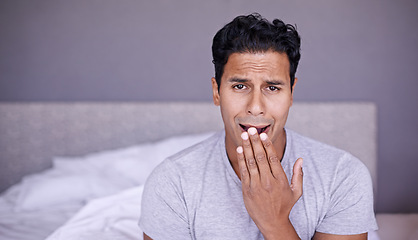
{"x":240,"y":150}
{"x":263,"y":136}
{"x":252,"y":131}
{"x":244,"y":136}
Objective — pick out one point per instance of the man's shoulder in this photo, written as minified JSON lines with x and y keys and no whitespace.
{"x":300,"y":141}
{"x":190,"y":157}
{"x":199,"y":150}
{"x":185,"y":168}
{"x":322,"y":154}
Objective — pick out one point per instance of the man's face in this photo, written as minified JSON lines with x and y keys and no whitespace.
{"x":255,"y":92}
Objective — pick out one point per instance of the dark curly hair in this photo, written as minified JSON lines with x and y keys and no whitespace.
{"x":253,"y":34}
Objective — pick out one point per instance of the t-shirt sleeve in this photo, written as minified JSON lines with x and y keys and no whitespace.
{"x":350,"y":209}
{"x":163,"y":209}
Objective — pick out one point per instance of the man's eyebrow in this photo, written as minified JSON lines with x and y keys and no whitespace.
{"x":238,"y":80}
{"x":275,"y":82}
{"x":269,"y":82}
{"x":243,"y":80}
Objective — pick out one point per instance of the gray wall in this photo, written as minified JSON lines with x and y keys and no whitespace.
{"x":103,"y":50}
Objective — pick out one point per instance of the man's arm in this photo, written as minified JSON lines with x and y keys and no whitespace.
{"x":146,"y":237}
{"x":324,"y":236}
{"x":162,"y":207}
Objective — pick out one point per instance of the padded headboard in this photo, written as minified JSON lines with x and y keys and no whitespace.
{"x":33,"y":133}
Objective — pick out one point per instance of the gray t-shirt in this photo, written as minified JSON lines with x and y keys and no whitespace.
{"x":196,"y":194}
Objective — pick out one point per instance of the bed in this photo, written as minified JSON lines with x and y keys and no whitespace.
{"x":76,"y":170}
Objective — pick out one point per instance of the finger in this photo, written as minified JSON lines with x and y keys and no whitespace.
{"x":245,"y":177}
{"x":260,"y":156}
{"x":297,"y":179}
{"x":273,"y":159}
{"x":249,"y":157}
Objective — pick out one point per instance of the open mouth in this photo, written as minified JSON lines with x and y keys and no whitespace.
{"x":260,"y":129}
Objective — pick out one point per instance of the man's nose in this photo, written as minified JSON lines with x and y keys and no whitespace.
{"x":256,"y":104}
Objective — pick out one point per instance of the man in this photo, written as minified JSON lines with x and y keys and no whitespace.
{"x":247,"y":182}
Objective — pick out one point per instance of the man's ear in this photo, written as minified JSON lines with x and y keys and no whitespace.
{"x":293,"y":89}
{"x":215,"y":92}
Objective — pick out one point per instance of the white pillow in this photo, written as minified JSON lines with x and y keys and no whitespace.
{"x":78,"y":179}
{"x":47,"y":192}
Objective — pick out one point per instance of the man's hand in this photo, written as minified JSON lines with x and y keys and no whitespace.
{"x":267,"y":194}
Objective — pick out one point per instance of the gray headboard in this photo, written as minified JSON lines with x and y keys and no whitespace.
{"x":33,"y":133}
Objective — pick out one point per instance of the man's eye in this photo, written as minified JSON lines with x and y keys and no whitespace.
{"x":239,"y":86}
{"x":273,"y":88}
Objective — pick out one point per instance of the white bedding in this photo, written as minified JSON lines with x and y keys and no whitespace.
{"x":43,"y":202}
{"x":97,"y":196}
{"x":108,"y":218}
